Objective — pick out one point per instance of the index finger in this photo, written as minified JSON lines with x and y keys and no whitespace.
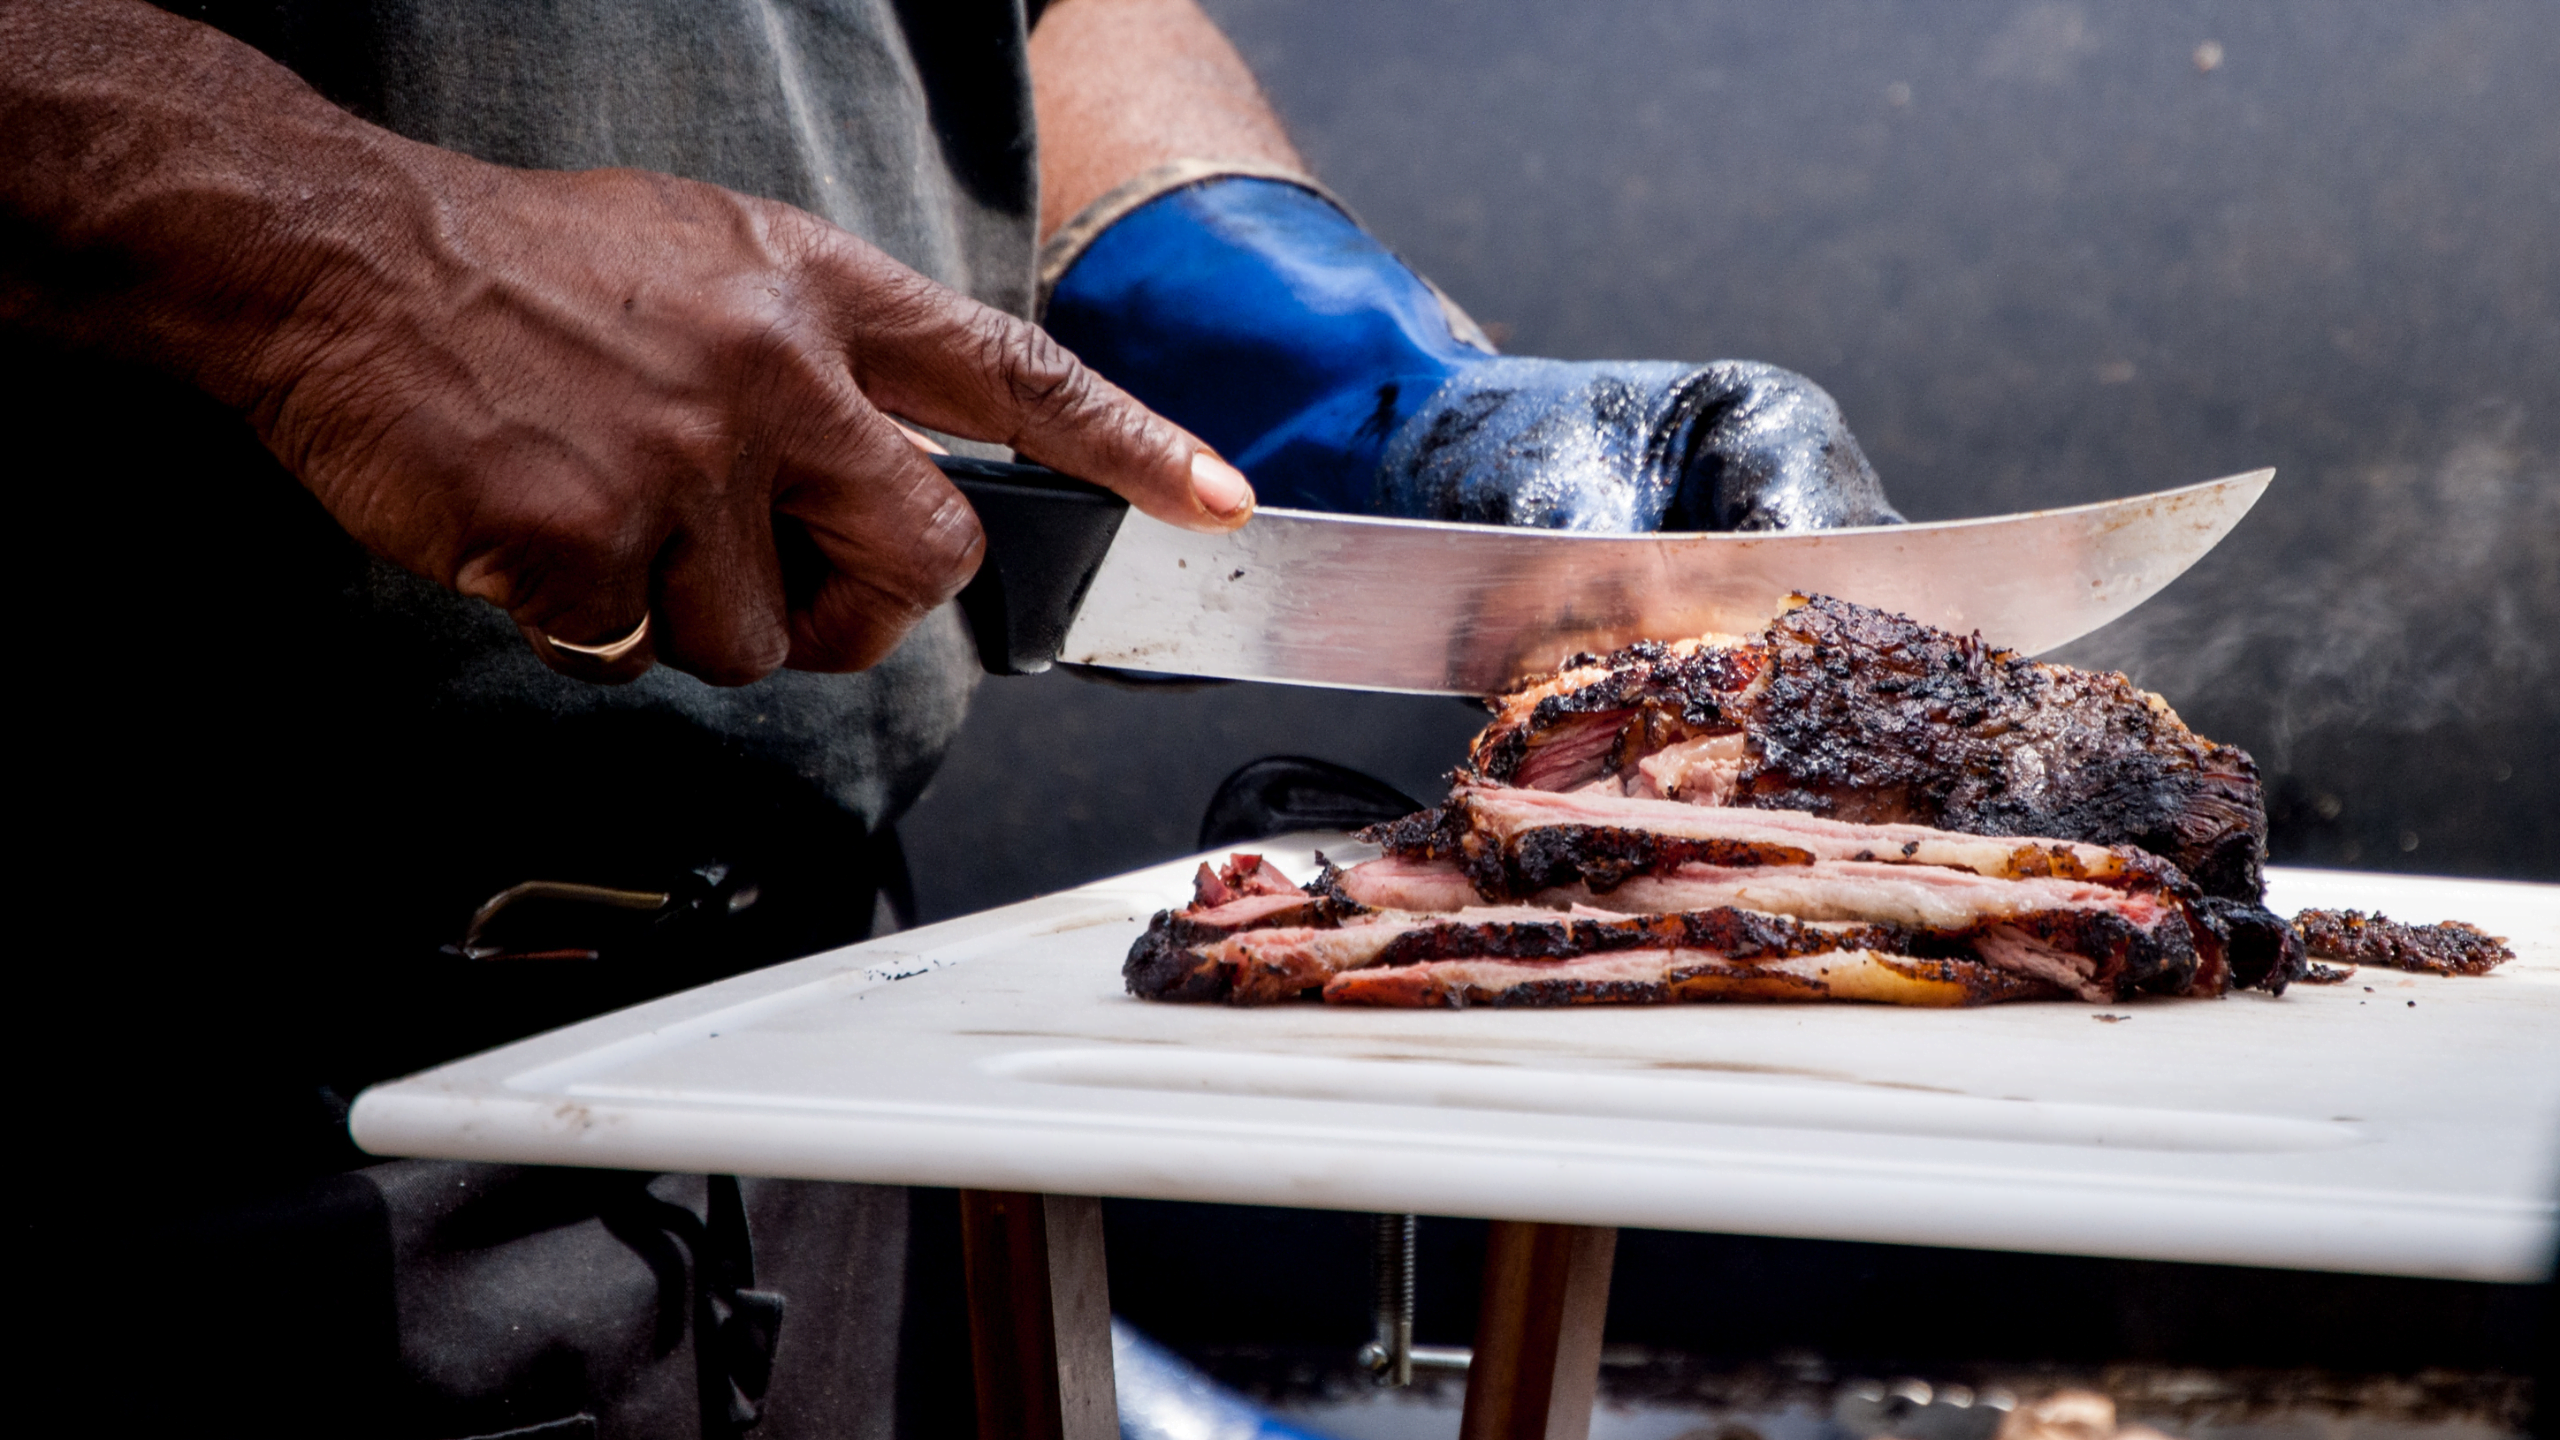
{"x":944,"y":360}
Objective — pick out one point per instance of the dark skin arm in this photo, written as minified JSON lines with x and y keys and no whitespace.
{"x":586,"y":398}
{"x":1122,"y":86}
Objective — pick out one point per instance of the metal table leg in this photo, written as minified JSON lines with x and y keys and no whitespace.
{"x":1536,"y":1368}
{"x":1039,"y":1316}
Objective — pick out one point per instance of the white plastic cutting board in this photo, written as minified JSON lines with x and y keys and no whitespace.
{"x":2398,"y":1124}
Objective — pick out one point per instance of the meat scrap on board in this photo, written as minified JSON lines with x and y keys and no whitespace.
{"x":1850,"y":806}
{"x":2451,"y":948}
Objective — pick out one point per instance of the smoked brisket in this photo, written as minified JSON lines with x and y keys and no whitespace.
{"x":1848,"y":806}
{"x":2001,"y":938}
{"x":1859,"y":715}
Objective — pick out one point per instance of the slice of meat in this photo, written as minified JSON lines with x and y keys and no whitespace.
{"x":1917,"y":896}
{"x":1866,"y":716}
{"x":2103,"y":924}
{"x":1661,"y":977}
{"x":1241,"y":876}
{"x":1167,"y":961}
{"x":2450,"y":948}
{"x":1640,"y":977}
{"x":1397,"y":882}
{"x":1262,"y":967}
{"x":2094,"y":941}
{"x":1705,"y":770}
{"x":1515,"y":842}
{"x":1595,"y":716}
{"x":1289,"y":907}
{"x":1266,"y":966}
{"x":2141,"y":933}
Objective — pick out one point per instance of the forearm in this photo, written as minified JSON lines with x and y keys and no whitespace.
{"x":1122,"y":86}
{"x":171,"y":196}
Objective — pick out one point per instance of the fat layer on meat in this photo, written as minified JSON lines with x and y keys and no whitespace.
{"x":1398,"y":882}
{"x":1675,"y":976}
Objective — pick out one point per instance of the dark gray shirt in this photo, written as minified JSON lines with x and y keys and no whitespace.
{"x":271,"y":776}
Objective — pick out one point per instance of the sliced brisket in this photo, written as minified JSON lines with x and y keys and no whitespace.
{"x":2055,"y":937}
{"x":1264,"y":966}
{"x":1170,"y":961}
{"x":1664,"y":977}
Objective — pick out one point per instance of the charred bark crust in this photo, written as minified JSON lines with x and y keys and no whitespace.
{"x":2128,"y":959}
{"x":2262,"y":951}
{"x":1559,"y":992}
{"x":1162,"y":964}
{"x":1647,"y":684}
{"x":2451,"y":948}
{"x":1422,"y":835}
{"x":1165,"y":962}
{"x":1868,"y":716}
{"x":1603,"y":857}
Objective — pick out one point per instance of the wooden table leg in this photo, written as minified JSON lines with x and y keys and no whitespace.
{"x":1039,"y":1316}
{"x":1536,"y":1369}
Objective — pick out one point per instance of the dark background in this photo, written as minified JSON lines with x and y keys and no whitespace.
{"x":2043,"y":255}
{"x":1302,"y":1287}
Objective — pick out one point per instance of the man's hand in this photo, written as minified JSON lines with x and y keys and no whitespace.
{"x":589,"y":399}
{"x":630,"y":381}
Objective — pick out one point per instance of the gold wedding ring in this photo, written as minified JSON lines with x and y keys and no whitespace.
{"x":610,"y":651}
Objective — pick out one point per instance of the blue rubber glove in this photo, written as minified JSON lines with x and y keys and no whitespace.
{"x":1259,"y":316}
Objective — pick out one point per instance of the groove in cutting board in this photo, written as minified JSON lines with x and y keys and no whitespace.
{"x":1633,"y":1097}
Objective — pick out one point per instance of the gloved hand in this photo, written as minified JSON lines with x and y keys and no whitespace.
{"x":1259,"y":316}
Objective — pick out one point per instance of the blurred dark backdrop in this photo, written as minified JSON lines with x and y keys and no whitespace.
{"x":2044,"y":252}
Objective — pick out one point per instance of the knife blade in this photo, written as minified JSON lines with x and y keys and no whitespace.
{"x":1430,"y":607}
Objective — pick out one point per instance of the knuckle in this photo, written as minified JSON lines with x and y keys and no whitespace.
{"x":1041,"y":381}
{"x":578,"y":528}
{"x":957,"y":545}
{"x":741,"y":650}
{"x":759,"y":653}
{"x":730,"y":672}
{"x":850,"y":635}
{"x":558,"y":550}
{"x":941,"y":556}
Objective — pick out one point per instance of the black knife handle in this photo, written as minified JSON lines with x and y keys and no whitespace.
{"x":1046,"y":536}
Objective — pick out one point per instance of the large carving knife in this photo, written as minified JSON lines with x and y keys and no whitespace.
{"x":1072,"y":575}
